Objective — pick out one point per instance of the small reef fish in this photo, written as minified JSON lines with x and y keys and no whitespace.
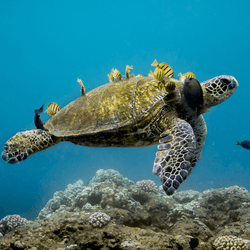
{"x":82,"y":86}
{"x":139,"y":75}
{"x":111,"y":77}
{"x":158,"y":74}
{"x":170,"y":86}
{"x":38,"y":122}
{"x":193,"y":93}
{"x":53,"y":108}
{"x":188,"y":75}
{"x":150,"y":73}
{"x":244,"y":144}
{"x":168,"y":71}
{"x":117,"y":74}
{"x":128,"y":68}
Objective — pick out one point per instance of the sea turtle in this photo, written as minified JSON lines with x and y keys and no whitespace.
{"x":135,"y":112}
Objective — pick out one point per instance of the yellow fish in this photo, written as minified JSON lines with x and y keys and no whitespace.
{"x":185,"y":76}
{"x":189,"y":75}
{"x":150,"y":73}
{"x":170,"y":86}
{"x":168,"y":71}
{"x":53,"y":108}
{"x":82,"y":86}
{"x":111,"y":77}
{"x":158,"y":74}
{"x":155,"y":63}
{"x":139,"y":75}
{"x":128,"y":68}
{"x":117,"y":74}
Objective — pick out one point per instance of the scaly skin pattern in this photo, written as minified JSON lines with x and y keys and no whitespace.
{"x":175,"y":152}
{"x":23,"y":144}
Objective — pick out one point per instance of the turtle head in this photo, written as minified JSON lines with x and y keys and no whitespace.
{"x":217,"y":90}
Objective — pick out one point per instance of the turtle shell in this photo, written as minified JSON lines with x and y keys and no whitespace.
{"x":126,"y":104}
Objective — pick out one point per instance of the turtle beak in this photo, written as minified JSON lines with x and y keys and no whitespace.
{"x":230,"y":81}
{"x":234,"y":83}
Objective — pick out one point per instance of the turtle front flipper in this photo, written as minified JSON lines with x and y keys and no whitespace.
{"x":175,"y":153}
{"x":23,"y":144}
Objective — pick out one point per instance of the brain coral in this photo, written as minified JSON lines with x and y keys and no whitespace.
{"x":229,"y":242}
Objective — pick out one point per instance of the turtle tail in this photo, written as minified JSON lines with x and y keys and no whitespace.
{"x":23,"y":144}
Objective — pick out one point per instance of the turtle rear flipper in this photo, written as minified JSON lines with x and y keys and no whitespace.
{"x":23,"y":144}
{"x":175,"y":153}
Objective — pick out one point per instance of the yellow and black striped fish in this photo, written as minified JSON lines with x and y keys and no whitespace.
{"x":117,"y":74}
{"x":53,"y":108}
{"x":168,"y":71}
{"x":185,"y":76}
{"x":128,"y":68}
{"x":189,"y":75}
{"x":82,"y":86}
{"x":150,"y":73}
{"x":111,"y":77}
{"x":170,"y":86}
{"x":158,"y":74}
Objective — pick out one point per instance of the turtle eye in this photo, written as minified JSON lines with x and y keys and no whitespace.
{"x":225,"y":81}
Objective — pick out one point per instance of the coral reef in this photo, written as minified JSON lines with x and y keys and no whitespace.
{"x":110,"y":175}
{"x":111,"y":212}
{"x":11,"y":222}
{"x":108,"y":188}
{"x":229,"y":243}
{"x":99,"y":219}
{"x":146,"y":186}
{"x":62,"y":199}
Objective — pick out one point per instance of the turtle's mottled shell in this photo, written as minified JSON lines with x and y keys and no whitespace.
{"x":128,"y":104}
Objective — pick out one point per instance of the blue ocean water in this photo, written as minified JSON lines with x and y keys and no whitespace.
{"x":46,"y":45}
